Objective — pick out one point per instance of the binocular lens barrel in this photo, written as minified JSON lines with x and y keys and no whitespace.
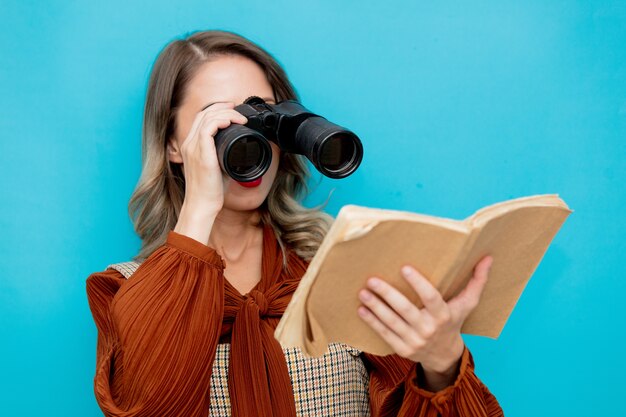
{"x":338,"y":154}
{"x":243,"y":153}
{"x":334,"y":151}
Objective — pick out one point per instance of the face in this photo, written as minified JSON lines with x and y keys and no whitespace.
{"x":229,"y":78}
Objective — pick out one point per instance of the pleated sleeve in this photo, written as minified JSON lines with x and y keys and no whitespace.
{"x":396,"y":391}
{"x":158,"y":331}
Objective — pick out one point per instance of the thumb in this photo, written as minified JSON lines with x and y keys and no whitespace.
{"x":467,"y":300}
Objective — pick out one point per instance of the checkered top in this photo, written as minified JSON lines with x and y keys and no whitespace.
{"x":335,"y":384}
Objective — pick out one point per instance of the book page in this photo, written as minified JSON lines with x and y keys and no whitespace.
{"x":333,"y":298}
{"x":485,"y":214}
{"x":517,"y":240}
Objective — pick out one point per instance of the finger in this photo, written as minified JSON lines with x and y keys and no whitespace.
{"x":226,"y":113}
{"x":212,"y":109}
{"x":208,"y":128}
{"x":468,"y":299}
{"x":429,"y":295}
{"x":388,"y":316}
{"x":218,"y":105}
{"x":209,"y":124}
{"x":201,"y":115}
{"x":387,"y":334}
{"x":396,"y":300}
{"x":211,"y":127}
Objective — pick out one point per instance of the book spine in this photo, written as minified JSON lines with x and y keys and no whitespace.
{"x":451,"y":276}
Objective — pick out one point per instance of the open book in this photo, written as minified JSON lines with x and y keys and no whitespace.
{"x":365,"y":242}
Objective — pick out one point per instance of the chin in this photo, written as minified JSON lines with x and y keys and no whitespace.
{"x":245,"y":199}
{"x":243,"y":204}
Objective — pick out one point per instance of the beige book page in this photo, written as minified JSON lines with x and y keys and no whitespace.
{"x":485,"y":214}
{"x":517,"y":240}
{"x":333,"y":298}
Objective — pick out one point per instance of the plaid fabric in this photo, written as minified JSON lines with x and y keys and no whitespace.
{"x":125,"y":268}
{"x":335,"y":384}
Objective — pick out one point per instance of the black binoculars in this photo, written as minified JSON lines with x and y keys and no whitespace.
{"x":245,"y":154}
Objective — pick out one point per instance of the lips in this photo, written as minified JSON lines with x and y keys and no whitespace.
{"x":251,"y":184}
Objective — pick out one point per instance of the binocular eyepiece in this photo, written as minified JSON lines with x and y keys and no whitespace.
{"x":245,"y":154}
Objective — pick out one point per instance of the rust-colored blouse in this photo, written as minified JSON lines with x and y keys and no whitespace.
{"x":158,"y":333}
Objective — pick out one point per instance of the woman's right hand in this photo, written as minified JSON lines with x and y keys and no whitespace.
{"x":204,"y":181}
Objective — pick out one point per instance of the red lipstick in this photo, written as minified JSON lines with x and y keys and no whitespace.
{"x":251,"y":184}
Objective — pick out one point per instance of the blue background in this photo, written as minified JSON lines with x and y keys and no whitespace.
{"x":459,"y":105}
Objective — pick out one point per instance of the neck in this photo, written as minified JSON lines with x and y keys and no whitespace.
{"x":233,"y":232}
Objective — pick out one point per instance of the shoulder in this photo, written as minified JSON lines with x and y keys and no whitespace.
{"x":126,"y":269}
{"x":111,"y":278}
{"x":102,"y":287}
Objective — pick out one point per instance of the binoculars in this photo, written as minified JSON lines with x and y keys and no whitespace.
{"x":245,"y":154}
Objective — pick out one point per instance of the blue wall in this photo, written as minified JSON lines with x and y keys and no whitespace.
{"x":458,"y":106}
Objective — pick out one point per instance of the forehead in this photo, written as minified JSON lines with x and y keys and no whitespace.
{"x":227,"y":78}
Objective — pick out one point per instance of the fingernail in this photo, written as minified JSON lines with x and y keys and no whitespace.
{"x":373,"y":283}
{"x":365,"y":295}
{"x":406,"y":270}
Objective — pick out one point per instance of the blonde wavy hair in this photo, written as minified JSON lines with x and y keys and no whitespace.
{"x":155,"y":204}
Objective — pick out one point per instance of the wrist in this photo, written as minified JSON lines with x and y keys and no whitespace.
{"x":447,"y":363}
{"x":196,"y":222}
{"x":200,"y":207}
{"x":434,"y":380}
{"x":442,"y":373}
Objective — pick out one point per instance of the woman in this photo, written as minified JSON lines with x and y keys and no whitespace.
{"x":191,"y":331}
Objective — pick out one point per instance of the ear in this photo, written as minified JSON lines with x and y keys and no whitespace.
{"x":173,"y":151}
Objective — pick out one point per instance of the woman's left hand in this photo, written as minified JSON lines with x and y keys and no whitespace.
{"x":430,"y":335}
